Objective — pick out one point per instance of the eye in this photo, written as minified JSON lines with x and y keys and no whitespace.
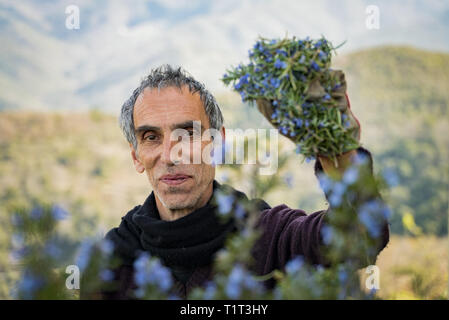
{"x":188,"y":133}
{"x":150,"y":137}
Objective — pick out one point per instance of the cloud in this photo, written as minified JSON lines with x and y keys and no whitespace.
{"x":44,"y":65}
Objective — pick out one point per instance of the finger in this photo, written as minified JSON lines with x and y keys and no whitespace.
{"x":354,"y":117}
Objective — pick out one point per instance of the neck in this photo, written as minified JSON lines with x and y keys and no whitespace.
{"x":168,"y":214}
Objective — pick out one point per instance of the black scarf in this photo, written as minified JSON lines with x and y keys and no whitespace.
{"x":188,"y":242}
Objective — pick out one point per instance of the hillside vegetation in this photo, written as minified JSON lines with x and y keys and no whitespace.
{"x":399,"y":94}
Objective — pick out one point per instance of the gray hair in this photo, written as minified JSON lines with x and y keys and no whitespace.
{"x":163,"y":77}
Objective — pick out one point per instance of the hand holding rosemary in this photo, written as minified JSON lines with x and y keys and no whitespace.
{"x":296,"y":90}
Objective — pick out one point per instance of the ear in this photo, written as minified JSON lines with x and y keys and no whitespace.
{"x":137,"y":164}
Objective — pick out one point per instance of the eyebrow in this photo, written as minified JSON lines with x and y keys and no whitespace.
{"x":182,"y":125}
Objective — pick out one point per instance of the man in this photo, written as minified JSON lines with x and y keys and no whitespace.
{"x":178,"y":221}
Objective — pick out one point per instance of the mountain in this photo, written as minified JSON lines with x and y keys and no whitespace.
{"x":398,"y":93}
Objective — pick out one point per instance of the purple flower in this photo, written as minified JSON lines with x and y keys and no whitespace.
{"x":30,"y":284}
{"x":151,"y":271}
{"x":335,"y":200}
{"x":18,"y":254}
{"x":372,"y":215}
{"x":240,"y":211}
{"x":225,"y":203}
{"x":308,"y":159}
{"x":391,"y":177}
{"x":325,"y":182}
{"x":245,"y":79}
{"x":315,"y":66}
{"x":106,"y":246}
{"x":279,"y":64}
{"x":243,"y":95}
{"x":233,"y":290}
{"x":258,"y":46}
{"x":16,"y":220}
{"x":163,"y":276}
{"x":342,"y":276}
{"x":53,"y":250}
{"x":370,"y":223}
{"x":84,"y":253}
{"x":339,"y":188}
{"x":250,"y":283}
{"x":139,"y":267}
{"x":322,"y":55}
{"x":351,"y":175}
{"x":386,"y":212}
{"x":210,"y":290}
{"x":281,"y":52}
{"x":107,"y":275}
{"x":58,"y":212}
{"x":283,"y":129}
{"x":294,"y":265}
{"x":361,"y":158}
{"x":233,"y":286}
{"x":36,"y":213}
{"x":326,"y":234}
{"x":275,"y":82}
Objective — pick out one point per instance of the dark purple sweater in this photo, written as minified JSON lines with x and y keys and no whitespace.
{"x":184,"y":244}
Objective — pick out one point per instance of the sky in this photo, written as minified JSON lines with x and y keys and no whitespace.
{"x":44,"y":65}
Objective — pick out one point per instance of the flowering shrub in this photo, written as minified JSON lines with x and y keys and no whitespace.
{"x":153,"y":279}
{"x":350,"y":237}
{"x":37,"y":251}
{"x":296,"y":90}
{"x":294,"y":87}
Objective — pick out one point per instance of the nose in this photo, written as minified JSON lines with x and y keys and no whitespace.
{"x":169,"y":155}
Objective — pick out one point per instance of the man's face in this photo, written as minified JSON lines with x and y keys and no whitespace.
{"x":156,"y":115}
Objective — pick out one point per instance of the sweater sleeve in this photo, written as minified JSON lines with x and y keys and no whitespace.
{"x":286,"y":233}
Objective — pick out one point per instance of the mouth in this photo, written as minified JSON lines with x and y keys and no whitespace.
{"x":174,"y":179}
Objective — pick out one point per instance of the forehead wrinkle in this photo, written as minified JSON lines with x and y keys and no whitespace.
{"x":191,"y":105}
